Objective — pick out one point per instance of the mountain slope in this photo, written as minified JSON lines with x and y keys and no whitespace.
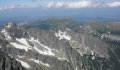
{"x":61,"y":48}
{"x":7,"y":63}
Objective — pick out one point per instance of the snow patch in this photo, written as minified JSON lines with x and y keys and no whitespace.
{"x":47,"y":50}
{"x":5,"y":33}
{"x":19,"y":46}
{"x":93,"y":57}
{"x":55,"y":50}
{"x":20,"y":56}
{"x":24,"y":64}
{"x":81,"y":53}
{"x":92,"y":52}
{"x":22,"y":41}
{"x":40,"y":62}
{"x":76,"y":68}
{"x":23,"y":44}
{"x":63,"y":35}
{"x":102,"y":36}
{"x":8,"y":26}
{"x":63,"y":59}
{"x":68,"y":29}
{"x":43,"y":52}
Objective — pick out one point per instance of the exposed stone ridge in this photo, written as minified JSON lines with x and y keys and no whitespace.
{"x":7,"y":63}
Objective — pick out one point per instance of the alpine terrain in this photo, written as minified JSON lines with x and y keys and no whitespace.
{"x":59,"y":44}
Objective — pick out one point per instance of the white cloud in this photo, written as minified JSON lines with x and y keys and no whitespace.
{"x":114,"y":4}
{"x":75,"y":4}
{"x":54,"y":5}
{"x":0,"y":9}
{"x":15,"y":6}
{"x":10,"y":7}
{"x":79,"y":4}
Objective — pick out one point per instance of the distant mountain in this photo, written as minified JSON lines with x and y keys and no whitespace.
{"x":84,"y":15}
{"x":53,"y":23}
{"x":61,"y":44}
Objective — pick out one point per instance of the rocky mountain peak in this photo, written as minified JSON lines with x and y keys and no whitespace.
{"x":10,"y":24}
{"x":12,"y":30}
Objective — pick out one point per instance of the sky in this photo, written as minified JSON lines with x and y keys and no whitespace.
{"x":83,"y":10}
{"x":13,"y":4}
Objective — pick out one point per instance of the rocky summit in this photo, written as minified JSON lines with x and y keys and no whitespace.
{"x":63,"y":46}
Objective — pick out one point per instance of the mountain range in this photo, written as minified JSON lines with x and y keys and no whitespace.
{"x":59,"y":44}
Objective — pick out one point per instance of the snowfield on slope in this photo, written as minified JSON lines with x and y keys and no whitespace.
{"x":24,"y":64}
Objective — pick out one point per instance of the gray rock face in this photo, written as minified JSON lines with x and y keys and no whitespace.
{"x":7,"y":63}
{"x":14,"y":31}
{"x":57,"y":49}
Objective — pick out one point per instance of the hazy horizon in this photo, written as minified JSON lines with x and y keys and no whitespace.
{"x":82,"y":10}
